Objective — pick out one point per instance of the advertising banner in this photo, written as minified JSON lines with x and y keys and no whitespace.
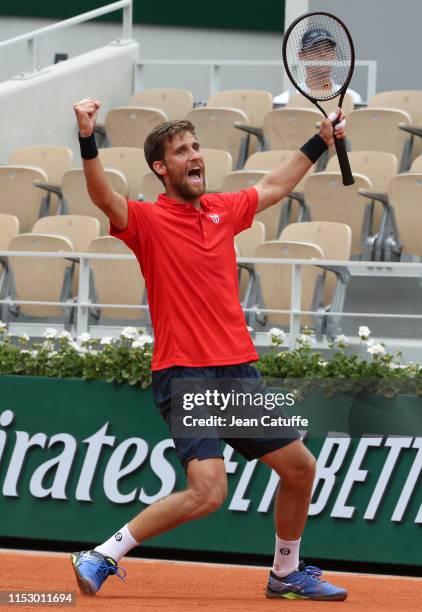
{"x":78,"y":459}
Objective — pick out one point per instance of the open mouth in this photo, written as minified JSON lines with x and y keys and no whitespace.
{"x":195,"y":174}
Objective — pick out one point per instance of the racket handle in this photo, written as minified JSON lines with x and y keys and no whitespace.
{"x":343,"y":160}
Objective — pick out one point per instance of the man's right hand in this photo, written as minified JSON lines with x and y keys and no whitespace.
{"x":86,"y":114}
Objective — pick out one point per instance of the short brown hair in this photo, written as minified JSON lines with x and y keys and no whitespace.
{"x":155,"y":142}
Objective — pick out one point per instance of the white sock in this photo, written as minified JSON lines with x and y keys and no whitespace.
{"x":118,"y":545}
{"x":286,"y":556}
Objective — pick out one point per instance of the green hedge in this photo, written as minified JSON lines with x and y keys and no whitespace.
{"x":127,"y":359}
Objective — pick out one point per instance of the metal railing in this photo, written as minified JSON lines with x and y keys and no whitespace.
{"x":82,"y":303}
{"x":214,"y":69}
{"x":32,"y":37}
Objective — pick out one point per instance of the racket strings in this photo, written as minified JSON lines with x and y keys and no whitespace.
{"x":319,"y":56}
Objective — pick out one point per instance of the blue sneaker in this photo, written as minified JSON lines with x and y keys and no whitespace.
{"x":305,"y":583}
{"x":92,"y":568}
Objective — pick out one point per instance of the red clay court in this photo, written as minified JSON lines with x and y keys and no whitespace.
{"x":189,"y":587}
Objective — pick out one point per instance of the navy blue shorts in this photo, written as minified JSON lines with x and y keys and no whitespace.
{"x":207,"y":448}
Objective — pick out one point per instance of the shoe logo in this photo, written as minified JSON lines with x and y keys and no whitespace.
{"x":84,"y":556}
{"x":215,"y":218}
{"x":285,"y":551}
{"x":118,"y":536}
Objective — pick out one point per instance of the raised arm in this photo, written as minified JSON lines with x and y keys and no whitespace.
{"x":276,"y":185}
{"x":111,"y":203}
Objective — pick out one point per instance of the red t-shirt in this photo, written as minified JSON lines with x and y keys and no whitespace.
{"x":188,"y":261}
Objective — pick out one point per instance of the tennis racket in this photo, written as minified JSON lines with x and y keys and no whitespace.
{"x":319,"y":59}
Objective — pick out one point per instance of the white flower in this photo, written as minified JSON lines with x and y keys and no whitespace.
{"x":25,"y":352}
{"x":3,"y":325}
{"x":65,"y":335}
{"x":364,"y":332}
{"x":77,"y":347}
{"x":341,"y":339}
{"x":130,"y":333}
{"x":137,"y":344}
{"x":52,"y":354}
{"x":277,"y":336}
{"x":376,"y":349}
{"x":24,"y":336}
{"x":106,"y":340}
{"x":305,"y":340}
{"x":85,"y":337}
{"x":141,"y":341}
{"x":34,"y":353}
{"x":277,"y":333}
{"x":50,"y":332}
{"x":323,"y":363}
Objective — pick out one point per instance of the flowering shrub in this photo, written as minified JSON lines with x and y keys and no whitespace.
{"x":304,"y":369}
{"x":127,"y":359}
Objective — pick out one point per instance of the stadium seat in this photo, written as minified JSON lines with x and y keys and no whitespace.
{"x":215,"y":129}
{"x":378,"y":166}
{"x":275,"y":281}
{"x":39,"y":279}
{"x":328,"y":200}
{"x":9,"y":227}
{"x":289,"y":128}
{"x":406,"y":100}
{"x":268,"y":160}
{"x":174,"y":103}
{"x":409,"y":101}
{"x":131,"y":162}
{"x":271,"y":216}
{"x":116,"y":282}
{"x":151,"y":187}
{"x":376,"y":129}
{"x":405,"y":198}
{"x":246,"y":244}
{"x":80,"y":230}
{"x":53,"y":160}
{"x":335,"y":240}
{"x":248,"y":240}
{"x":255,"y":103}
{"x":77,"y":200}
{"x":299,"y":101}
{"x":218,"y":163}
{"x":128,"y":126}
{"x":416,"y":164}
{"x":18,"y":194}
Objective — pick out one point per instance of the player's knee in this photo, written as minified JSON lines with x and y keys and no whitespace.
{"x":209,"y":496}
{"x":301,"y":471}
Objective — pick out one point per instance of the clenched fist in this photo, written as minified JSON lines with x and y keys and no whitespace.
{"x":327,"y":132}
{"x":86,"y":114}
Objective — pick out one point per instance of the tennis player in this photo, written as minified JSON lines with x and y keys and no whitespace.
{"x":184,"y":245}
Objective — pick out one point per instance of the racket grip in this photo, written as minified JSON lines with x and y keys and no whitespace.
{"x":343,"y":160}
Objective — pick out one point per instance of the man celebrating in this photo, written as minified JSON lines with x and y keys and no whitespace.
{"x":185,"y":248}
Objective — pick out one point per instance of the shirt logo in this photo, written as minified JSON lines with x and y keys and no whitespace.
{"x":215,"y":218}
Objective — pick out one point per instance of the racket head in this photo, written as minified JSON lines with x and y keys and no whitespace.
{"x":319,"y":56}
